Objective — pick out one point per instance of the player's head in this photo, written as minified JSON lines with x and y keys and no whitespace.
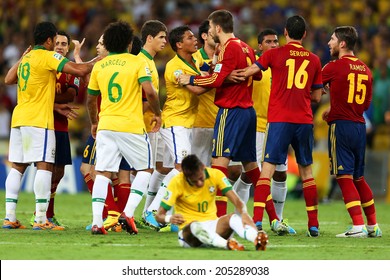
{"x":155,"y":33}
{"x":43,"y":31}
{"x":193,"y":170}
{"x":347,"y":34}
{"x":136,"y":45}
{"x":204,"y":36}
{"x":62,"y":43}
{"x":100,"y":48}
{"x":220,"y":21}
{"x":118,"y":36}
{"x":267,"y":39}
{"x":296,"y":27}
{"x":181,"y":37}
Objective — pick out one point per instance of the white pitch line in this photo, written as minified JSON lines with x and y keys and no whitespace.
{"x":76,"y":244}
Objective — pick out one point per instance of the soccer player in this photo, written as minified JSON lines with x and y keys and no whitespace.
{"x":180,"y":107}
{"x":202,"y":132}
{"x":192,"y":192}
{"x":111,"y":210}
{"x":67,"y":87}
{"x":154,"y":38}
{"x":235,"y":127}
{"x":350,"y":89}
{"x":296,"y":82}
{"x":267,"y":39}
{"x":120,"y":78}
{"x":32,"y":138}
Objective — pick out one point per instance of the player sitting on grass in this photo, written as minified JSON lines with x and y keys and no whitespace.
{"x":192,"y":192}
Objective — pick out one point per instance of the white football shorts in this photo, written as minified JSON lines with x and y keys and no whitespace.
{"x":30,"y":144}
{"x":177,"y":141}
{"x":111,"y":146}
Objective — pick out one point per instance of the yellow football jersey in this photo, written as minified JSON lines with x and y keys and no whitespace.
{"x":181,"y":105}
{"x":194,"y":203}
{"x":118,"y":79}
{"x":36,"y":88}
{"x":207,"y":110}
{"x":260,"y":95}
{"x":148,"y":115}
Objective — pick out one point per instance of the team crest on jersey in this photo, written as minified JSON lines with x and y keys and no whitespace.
{"x":211,"y":189}
{"x":167,"y":195}
{"x":218,"y":68}
{"x":147,"y":70}
{"x":57,"y":56}
{"x":177,"y":73}
{"x":184,"y":153}
{"x":77,"y":82}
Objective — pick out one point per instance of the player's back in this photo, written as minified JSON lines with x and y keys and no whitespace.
{"x":295,"y":72}
{"x":350,"y":88}
{"x":118,"y":77}
{"x":36,"y":88}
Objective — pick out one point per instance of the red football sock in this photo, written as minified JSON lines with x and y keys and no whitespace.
{"x":122,"y":195}
{"x":311,"y":200}
{"x":367,"y":200}
{"x":89,"y":181}
{"x":110,"y":202}
{"x":351,"y":199}
{"x":261,"y":193}
{"x":253,"y":175}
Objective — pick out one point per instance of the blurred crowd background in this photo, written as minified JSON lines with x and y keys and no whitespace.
{"x":88,"y":18}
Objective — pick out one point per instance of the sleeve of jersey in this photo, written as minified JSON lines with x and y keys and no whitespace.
{"x":55,"y":61}
{"x":144,"y":73}
{"x":223,"y":182}
{"x":75,"y":83}
{"x":317,"y":82}
{"x":262,"y":61}
{"x":222,"y":69}
{"x":327,"y":73}
{"x":170,"y":195}
{"x":93,"y":86}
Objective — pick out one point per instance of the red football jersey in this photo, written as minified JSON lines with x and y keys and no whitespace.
{"x":234,"y":54}
{"x":350,"y":82}
{"x":295,"y":72}
{"x":64,"y":81}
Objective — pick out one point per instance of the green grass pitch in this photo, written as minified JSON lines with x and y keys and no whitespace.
{"x":75,"y":243}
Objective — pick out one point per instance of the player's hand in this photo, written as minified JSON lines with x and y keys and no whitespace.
{"x":177,"y":219}
{"x":157,"y":123}
{"x":94,"y":130}
{"x":236,"y":76}
{"x":27,"y":50}
{"x":325,"y":114}
{"x":247,"y":220}
{"x":183,"y":79}
{"x":77,"y":47}
{"x":67,"y":110}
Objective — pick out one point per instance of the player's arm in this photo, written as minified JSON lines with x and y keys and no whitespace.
{"x":12,"y":77}
{"x":163,"y":218}
{"x":154,"y":103}
{"x":197,"y":90}
{"x":77,"y":50}
{"x":240,"y":207}
{"x":79,"y":69}
{"x":67,"y":110}
{"x":66,"y":96}
{"x":92,"y":112}
{"x":315,"y":95}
